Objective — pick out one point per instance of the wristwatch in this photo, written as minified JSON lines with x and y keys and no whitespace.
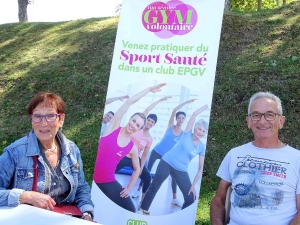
{"x":87,"y":214}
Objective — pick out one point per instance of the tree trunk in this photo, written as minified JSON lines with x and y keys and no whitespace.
{"x":23,"y":10}
{"x":259,"y":4}
{"x":227,"y":5}
{"x":283,"y":2}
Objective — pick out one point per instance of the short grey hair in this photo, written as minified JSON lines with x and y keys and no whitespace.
{"x":203,"y":123}
{"x":265,"y":95}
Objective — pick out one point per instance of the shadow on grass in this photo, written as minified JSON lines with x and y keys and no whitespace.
{"x":71,"y":59}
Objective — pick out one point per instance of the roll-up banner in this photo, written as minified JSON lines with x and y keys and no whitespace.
{"x":153,"y":135}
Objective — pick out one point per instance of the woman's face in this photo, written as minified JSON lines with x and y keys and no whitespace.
{"x":199,"y":132}
{"x":150,"y":123}
{"x":135,"y":123}
{"x":46,"y":131}
{"x":180,"y":119}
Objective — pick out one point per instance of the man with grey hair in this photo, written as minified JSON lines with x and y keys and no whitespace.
{"x":264,"y":174}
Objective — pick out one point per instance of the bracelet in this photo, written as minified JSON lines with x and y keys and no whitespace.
{"x":19,"y":200}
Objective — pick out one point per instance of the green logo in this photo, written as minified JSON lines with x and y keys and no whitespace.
{"x":136,"y":222}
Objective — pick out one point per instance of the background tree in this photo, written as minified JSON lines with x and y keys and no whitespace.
{"x":227,"y":5}
{"x":118,"y":9}
{"x":22,"y":4}
{"x":254,"y":5}
{"x":259,"y":4}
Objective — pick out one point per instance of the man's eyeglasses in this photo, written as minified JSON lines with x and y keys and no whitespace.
{"x":269,"y":116}
{"x":49,"y":117}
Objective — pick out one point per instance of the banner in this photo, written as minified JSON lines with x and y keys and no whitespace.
{"x":163,"y":66}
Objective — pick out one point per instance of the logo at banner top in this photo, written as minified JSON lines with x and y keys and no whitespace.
{"x":166,"y":20}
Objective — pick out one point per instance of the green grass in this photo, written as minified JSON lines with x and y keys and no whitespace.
{"x":258,"y":52}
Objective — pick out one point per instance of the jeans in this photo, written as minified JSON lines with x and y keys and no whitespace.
{"x":16,"y":172}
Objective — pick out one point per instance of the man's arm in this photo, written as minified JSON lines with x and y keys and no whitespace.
{"x":217,"y":207}
{"x":296,"y":219}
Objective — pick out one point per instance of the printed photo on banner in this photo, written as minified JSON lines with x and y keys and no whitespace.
{"x":152,"y":138}
{"x":157,"y":122}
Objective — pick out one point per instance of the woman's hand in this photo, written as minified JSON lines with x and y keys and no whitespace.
{"x":88,"y":218}
{"x":193,"y":191}
{"x":165,"y":98}
{"x":37,"y":199}
{"x":156,"y":88}
{"x":125,"y":193}
{"x":121,"y":98}
{"x":191,"y":100}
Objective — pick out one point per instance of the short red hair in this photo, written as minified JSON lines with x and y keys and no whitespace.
{"x":49,"y":99}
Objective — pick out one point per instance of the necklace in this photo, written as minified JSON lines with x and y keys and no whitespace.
{"x":51,"y":149}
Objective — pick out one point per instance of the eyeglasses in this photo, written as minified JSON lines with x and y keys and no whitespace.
{"x":37,"y":118}
{"x":269,"y":116}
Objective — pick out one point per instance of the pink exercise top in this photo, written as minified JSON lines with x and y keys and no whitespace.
{"x":108,"y":156}
{"x":141,"y":141}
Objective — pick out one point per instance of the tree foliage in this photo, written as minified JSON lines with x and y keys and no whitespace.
{"x":252,"y":5}
{"x":227,"y":5}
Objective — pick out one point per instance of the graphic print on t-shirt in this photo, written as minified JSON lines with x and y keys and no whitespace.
{"x":258,"y":182}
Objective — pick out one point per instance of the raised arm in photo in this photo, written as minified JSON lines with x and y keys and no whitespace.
{"x":150,"y":107}
{"x":121,"y":98}
{"x":116,"y":120}
{"x":171,"y":120}
{"x":191,"y":122}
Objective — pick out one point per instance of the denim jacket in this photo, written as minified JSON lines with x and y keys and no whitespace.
{"x":16,"y":172}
